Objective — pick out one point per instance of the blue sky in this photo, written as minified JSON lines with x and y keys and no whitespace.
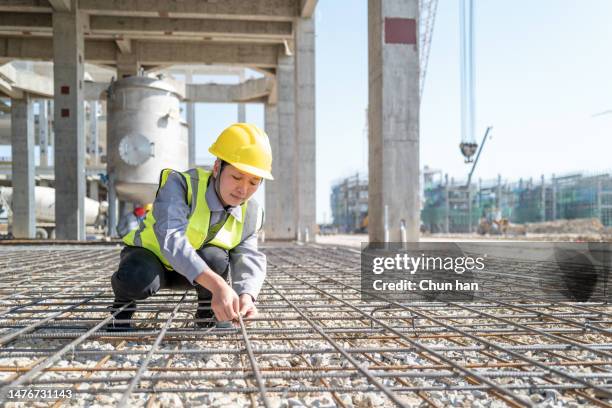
{"x":543,"y":68}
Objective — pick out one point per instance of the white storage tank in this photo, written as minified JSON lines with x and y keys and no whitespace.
{"x":145,"y":136}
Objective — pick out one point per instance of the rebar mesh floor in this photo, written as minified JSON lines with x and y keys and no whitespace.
{"x":314,"y":343}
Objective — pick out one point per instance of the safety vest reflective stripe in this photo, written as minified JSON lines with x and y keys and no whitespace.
{"x":228,"y":237}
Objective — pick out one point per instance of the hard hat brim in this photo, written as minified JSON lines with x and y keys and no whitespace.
{"x":254,"y":171}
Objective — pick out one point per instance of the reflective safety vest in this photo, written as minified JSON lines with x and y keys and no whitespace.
{"x":228,"y":237}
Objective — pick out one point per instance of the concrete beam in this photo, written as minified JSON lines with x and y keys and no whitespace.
{"x":26,"y":81}
{"x":146,"y":26}
{"x":273,"y":10}
{"x":149,"y":53}
{"x":273,"y":95}
{"x":247,"y":91}
{"x":124,"y":45}
{"x":68,"y":69}
{"x":305,"y":127}
{"x":26,"y":6}
{"x":307,"y":8}
{"x":159,"y":53}
{"x":26,"y":22}
{"x":289,"y":47}
{"x":22,"y":168}
{"x":203,"y":70}
{"x":6,"y":88}
{"x":393,"y":61}
{"x":60,"y":5}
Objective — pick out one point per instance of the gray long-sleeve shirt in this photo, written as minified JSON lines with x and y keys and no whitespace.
{"x":171,"y":212}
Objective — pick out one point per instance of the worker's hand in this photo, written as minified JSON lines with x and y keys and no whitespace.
{"x":247,"y":307}
{"x":224,"y":303}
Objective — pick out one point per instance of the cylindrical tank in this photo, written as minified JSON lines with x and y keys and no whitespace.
{"x":44,"y":201}
{"x":145,"y":136}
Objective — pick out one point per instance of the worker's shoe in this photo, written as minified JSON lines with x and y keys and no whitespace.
{"x":116,"y":324}
{"x":205,"y":318}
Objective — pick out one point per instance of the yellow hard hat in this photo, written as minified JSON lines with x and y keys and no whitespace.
{"x":148,"y":207}
{"x":245,"y":147}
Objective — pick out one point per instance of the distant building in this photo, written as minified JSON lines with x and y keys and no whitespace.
{"x":349,"y":204}
{"x":448,"y":205}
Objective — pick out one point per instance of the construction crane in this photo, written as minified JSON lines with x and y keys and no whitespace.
{"x":468,"y":143}
{"x":427,"y":20}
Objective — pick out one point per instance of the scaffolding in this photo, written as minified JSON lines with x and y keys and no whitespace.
{"x":453,"y":207}
{"x":314,"y":342}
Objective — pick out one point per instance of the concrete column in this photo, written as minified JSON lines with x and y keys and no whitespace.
{"x":112,"y":207}
{"x":51,"y":137}
{"x":272,"y":188}
{"x":93,"y":132}
{"x":94,"y":191}
{"x":127,"y":65}
{"x":393,"y":118}
{"x":305,"y":184}
{"x":241,"y":106}
{"x":22,"y":159}
{"x":68,"y":47}
{"x":123,"y":208}
{"x":43,"y":132}
{"x":281,"y":205}
{"x":191,"y":125}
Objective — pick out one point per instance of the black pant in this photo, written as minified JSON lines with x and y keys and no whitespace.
{"x":141,"y":274}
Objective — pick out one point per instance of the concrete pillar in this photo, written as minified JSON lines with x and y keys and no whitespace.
{"x":68,"y":50}
{"x":393,"y":118}
{"x":305,"y":184}
{"x":43,"y":132}
{"x":51,"y":136}
{"x":123,"y":208}
{"x":93,"y":132}
{"x":281,"y":219}
{"x":112,"y":207}
{"x":94,"y":190}
{"x":22,"y":159}
{"x":127,"y":65}
{"x":241,"y":106}
{"x":272,"y":188}
{"x":191,"y":125}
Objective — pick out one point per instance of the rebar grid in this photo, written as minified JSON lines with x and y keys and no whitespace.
{"x":314,"y":342}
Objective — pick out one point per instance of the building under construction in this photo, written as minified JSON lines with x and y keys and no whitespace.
{"x":450,"y":206}
{"x":349,"y":204}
